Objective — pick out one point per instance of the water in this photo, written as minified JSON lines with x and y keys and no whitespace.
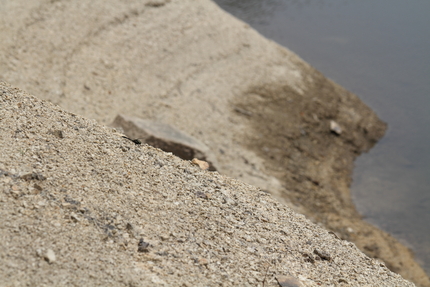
{"x":379,"y":50}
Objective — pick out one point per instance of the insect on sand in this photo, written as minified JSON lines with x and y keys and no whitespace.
{"x":136,"y":141}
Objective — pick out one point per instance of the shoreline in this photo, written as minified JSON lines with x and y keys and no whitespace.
{"x":391,"y":202}
{"x":193,"y":66}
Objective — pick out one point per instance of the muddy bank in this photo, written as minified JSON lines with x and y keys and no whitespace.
{"x":263,"y":112}
{"x":291,"y":131}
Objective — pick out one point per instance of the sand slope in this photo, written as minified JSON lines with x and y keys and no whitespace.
{"x":262,"y":111}
{"x":82,"y":206}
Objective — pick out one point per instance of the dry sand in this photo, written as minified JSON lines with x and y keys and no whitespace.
{"x":82,"y":206}
{"x":263,"y":112}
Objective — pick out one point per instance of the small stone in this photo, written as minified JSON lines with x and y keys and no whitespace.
{"x":288,"y":281}
{"x":38,"y":188}
{"x":41,"y":203}
{"x":142,"y":246}
{"x":308,"y":258}
{"x":203,"y":261}
{"x":39,"y":252}
{"x":74,"y":217}
{"x":57,"y":133}
{"x":50,"y":256}
{"x":201,"y":195}
{"x":202,"y":164}
{"x":243,"y":111}
{"x":323,"y":255}
{"x":164,"y":236}
{"x":228,"y":200}
{"x":15,"y":190}
{"x":129,"y":226}
{"x":33,"y":176}
{"x":335,"y":128}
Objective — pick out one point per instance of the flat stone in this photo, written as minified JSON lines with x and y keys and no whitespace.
{"x":164,"y":137}
{"x":288,"y":281}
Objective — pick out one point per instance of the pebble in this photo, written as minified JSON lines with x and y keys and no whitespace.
{"x":50,"y":256}
{"x":142,"y":246}
{"x":288,"y":281}
{"x":335,"y":128}
{"x":203,"y":261}
{"x":202,"y":164}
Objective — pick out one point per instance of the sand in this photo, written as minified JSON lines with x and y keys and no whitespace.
{"x":264,"y":113}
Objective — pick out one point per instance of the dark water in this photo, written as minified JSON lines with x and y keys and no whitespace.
{"x":379,"y":50}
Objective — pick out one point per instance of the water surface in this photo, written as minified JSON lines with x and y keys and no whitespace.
{"x":379,"y":50}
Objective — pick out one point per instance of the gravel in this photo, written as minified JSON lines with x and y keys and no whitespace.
{"x":82,"y":206}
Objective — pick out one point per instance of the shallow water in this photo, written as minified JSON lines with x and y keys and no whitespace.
{"x":379,"y":50}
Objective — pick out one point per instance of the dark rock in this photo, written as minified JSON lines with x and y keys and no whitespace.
{"x":308,"y":258}
{"x":142,"y":246}
{"x":57,"y":133}
{"x":33,"y":176}
{"x":201,"y":195}
{"x":322,"y":255}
